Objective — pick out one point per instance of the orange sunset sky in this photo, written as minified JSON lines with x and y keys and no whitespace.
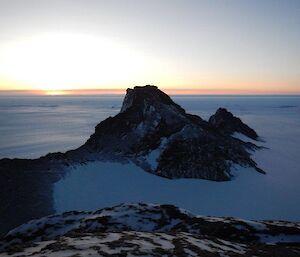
{"x":183,"y":47}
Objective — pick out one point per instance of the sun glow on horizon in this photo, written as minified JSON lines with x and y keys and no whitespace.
{"x":57,"y":62}
{"x":181,"y":46}
{"x":62,"y":63}
{"x":55,"y":92}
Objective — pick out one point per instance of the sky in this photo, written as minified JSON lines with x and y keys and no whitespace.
{"x":186,"y":46}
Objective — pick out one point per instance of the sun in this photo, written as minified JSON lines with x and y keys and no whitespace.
{"x":55,"y":92}
{"x":56,"y":62}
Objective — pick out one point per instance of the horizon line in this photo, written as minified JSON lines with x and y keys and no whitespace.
{"x":122,"y":91}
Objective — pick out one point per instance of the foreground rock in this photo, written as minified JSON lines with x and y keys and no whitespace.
{"x":151,"y":230}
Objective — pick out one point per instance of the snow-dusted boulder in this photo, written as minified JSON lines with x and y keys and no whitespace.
{"x":149,"y":230}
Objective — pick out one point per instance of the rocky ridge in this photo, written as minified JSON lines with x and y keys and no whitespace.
{"x":158,"y":135}
{"x":152,"y":131}
{"x":152,"y":230}
{"x":227,"y":124}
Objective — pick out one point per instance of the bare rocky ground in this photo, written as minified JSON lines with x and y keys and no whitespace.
{"x":150,"y":230}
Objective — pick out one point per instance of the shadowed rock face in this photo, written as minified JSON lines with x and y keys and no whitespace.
{"x":151,"y":131}
{"x":226,"y":123}
{"x":158,"y":135}
{"x":152,"y":230}
{"x":147,"y":115}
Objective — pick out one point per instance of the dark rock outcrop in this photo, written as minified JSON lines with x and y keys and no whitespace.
{"x":158,"y":135}
{"x":226,"y":123}
{"x":147,"y":115}
{"x":152,"y":230}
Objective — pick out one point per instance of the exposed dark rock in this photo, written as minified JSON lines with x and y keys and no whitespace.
{"x":226,"y":123}
{"x":158,"y":135}
{"x":152,"y":230}
{"x":161,"y":137}
{"x":147,"y":115}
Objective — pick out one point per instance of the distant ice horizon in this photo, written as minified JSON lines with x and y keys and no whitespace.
{"x":32,"y":126}
{"x":122,"y":91}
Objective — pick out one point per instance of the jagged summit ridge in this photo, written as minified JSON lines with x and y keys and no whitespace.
{"x":226,"y":123}
{"x":147,"y":95}
{"x":158,"y":135}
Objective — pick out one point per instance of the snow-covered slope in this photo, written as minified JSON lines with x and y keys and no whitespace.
{"x":250,"y":195}
{"x":149,"y":230}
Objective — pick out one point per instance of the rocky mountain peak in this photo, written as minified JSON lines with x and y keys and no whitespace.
{"x":151,"y":131}
{"x":227,"y":123}
{"x":141,"y":97}
{"x":159,"y":136}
